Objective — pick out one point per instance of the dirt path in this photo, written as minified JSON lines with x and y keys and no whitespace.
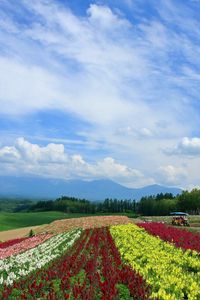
{"x":16,"y":233}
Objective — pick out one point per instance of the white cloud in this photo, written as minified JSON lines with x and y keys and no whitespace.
{"x":52,"y":153}
{"x":113,"y":62}
{"x":109,"y":166}
{"x":104,"y":17}
{"x":53,"y":161}
{"x":138,"y":133}
{"x":187,"y":146}
{"x":32,"y":153}
{"x":171,"y":175}
{"x":33,"y":88}
{"x":136,"y":84}
{"x":8,"y":154}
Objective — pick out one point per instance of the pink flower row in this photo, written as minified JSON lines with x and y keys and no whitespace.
{"x":181,"y":238}
{"x":11,"y":242}
{"x":24,"y":245}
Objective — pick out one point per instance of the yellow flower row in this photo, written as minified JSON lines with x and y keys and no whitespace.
{"x":173,"y":274}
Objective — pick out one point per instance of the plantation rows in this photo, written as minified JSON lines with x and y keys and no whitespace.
{"x":149,"y":261}
{"x":180,"y":238}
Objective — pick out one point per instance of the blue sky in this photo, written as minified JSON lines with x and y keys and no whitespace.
{"x":101,"y":89}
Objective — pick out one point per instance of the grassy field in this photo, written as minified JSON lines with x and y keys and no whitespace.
{"x":17,"y":220}
{"x":10,"y":221}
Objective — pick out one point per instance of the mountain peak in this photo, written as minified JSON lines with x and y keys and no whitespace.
{"x":100,"y":189}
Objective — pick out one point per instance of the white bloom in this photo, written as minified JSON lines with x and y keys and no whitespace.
{"x":35,"y":258}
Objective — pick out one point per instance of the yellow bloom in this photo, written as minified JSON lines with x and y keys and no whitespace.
{"x":171,"y":272}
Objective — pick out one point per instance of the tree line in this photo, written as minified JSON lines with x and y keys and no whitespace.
{"x":160,"y":204}
{"x":75,"y":205}
{"x":163,"y":204}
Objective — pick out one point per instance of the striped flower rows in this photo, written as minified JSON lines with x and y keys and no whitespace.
{"x":172,"y":273}
{"x":15,"y":267}
{"x":23,"y":245}
{"x":9,"y":243}
{"x":181,"y":238}
{"x":91,"y":270}
{"x":125,"y":262}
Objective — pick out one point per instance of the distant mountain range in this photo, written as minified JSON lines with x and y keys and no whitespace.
{"x":96,"y":190}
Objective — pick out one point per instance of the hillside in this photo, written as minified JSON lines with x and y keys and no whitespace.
{"x":35,"y":187}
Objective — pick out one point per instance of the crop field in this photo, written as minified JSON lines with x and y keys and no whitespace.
{"x":102,"y":258}
{"x":194,"y":221}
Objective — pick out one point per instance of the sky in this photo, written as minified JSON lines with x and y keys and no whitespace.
{"x":101,"y":89}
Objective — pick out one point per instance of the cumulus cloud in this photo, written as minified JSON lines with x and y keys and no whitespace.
{"x":32,"y":153}
{"x":9,"y":154}
{"x":53,"y":161}
{"x":187,"y":146}
{"x":110,"y":167}
{"x":172,"y":175}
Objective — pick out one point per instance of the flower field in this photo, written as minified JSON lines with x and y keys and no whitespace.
{"x":171,"y":272}
{"x":11,"y":242}
{"x":181,"y":238}
{"x":84,"y":222}
{"x":17,"y":266}
{"x":102,"y":262}
{"x":18,"y":247}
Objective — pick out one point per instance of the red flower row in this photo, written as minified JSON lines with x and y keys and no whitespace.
{"x":91,"y":269}
{"x":181,"y":238}
{"x":9,"y":243}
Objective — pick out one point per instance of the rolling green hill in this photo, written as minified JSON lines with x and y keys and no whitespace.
{"x":17,"y":220}
{"x":10,"y":221}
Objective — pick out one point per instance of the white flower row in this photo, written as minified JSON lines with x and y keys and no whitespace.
{"x":20,"y":265}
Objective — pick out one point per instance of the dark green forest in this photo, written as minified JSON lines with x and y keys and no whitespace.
{"x":74,"y":205}
{"x":160,"y":204}
{"x":163,"y":204}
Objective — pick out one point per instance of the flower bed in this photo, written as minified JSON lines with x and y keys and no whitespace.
{"x":91,"y":269}
{"x":15,"y":267}
{"x":84,"y":222}
{"x":9,"y":243}
{"x":181,"y":238}
{"x":173,"y":274}
{"x":24,"y":245}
